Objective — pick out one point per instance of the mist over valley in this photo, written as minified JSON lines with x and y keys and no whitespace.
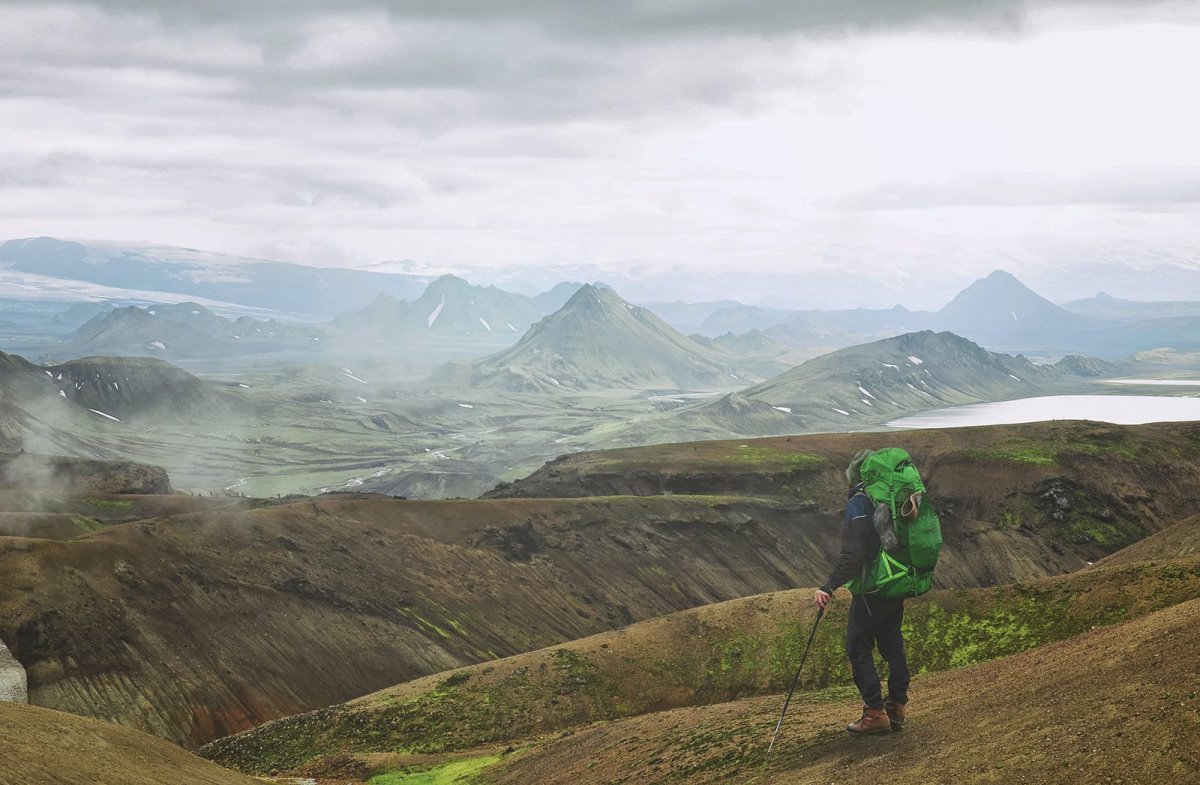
{"x":416,"y":393}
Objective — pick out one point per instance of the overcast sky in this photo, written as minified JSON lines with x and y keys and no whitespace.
{"x":928,"y":134}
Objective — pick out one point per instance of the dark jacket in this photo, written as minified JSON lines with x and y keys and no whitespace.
{"x":860,"y":543}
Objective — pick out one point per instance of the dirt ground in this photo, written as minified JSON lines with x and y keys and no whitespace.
{"x":1119,"y":705}
{"x":44,"y":746}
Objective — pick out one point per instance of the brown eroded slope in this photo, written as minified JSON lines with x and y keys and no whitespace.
{"x":200,"y":624}
{"x":1094,"y":486}
{"x":707,"y":655}
{"x":1181,"y":541}
{"x":1117,"y":705}
{"x":203,"y":622}
{"x":43,"y":747}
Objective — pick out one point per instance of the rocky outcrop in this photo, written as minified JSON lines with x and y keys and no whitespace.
{"x":13,"y":688}
{"x":77,"y":476}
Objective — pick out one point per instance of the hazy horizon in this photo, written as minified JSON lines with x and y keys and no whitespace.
{"x":926,"y":146}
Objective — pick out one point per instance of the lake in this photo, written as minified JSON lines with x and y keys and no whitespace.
{"x":1118,"y":409}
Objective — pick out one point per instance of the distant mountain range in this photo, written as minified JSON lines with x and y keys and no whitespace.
{"x":449,"y":306}
{"x":997,"y":311}
{"x":137,"y":270}
{"x":1105,"y":306}
{"x":597,"y":341}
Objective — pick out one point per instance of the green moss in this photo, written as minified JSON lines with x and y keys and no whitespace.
{"x":109,"y":504}
{"x":735,"y":655}
{"x":567,"y":660}
{"x":87,"y":524}
{"x":1031,"y":453}
{"x":1107,"y":535}
{"x":771,"y":456}
{"x":459,"y":772}
{"x":941,"y":639}
{"x":424,"y":623}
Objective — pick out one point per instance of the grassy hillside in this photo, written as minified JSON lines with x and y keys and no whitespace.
{"x":278,"y":598}
{"x":1114,"y":705}
{"x":1181,"y":541}
{"x":41,"y":747}
{"x":704,"y":656}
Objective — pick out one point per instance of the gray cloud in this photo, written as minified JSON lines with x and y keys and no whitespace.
{"x":50,"y":171}
{"x":533,"y":48}
{"x":624,"y":19}
{"x":1141,"y":188}
{"x":530,"y":129}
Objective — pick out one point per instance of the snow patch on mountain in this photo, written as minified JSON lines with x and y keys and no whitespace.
{"x":436,"y":312}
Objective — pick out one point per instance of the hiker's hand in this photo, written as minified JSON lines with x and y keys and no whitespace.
{"x":823,"y":598}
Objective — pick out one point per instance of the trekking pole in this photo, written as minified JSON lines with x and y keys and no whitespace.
{"x":795,"y":679}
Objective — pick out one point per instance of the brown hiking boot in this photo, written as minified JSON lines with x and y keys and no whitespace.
{"x":895,"y":712}
{"x":871,"y":721}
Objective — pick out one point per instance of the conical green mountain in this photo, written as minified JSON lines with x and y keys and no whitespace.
{"x":596,"y":341}
{"x":556,"y":297}
{"x":1000,"y":305}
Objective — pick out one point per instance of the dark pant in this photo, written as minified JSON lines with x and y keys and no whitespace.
{"x":876,"y":621}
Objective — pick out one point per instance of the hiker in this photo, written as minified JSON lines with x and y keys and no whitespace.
{"x":874,"y":621}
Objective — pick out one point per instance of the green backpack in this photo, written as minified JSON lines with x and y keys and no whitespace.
{"x":892,"y":483}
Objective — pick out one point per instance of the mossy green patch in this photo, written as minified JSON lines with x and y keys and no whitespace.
{"x":768,"y":457}
{"x":459,"y":772}
{"x":940,"y":639}
{"x":1032,"y":453}
{"x":88,"y":524}
{"x":698,"y":660}
{"x":1082,"y":529}
{"x":109,"y":504}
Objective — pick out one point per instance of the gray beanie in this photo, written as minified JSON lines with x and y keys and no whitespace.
{"x":852,"y":471}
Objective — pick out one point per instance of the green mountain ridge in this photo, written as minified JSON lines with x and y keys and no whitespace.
{"x":596,"y":341}
{"x":137,"y":387}
{"x":865,"y":386}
